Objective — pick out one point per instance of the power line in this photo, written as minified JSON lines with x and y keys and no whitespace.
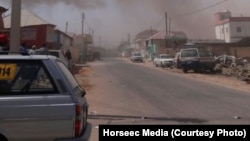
{"x":192,"y":12}
{"x":205,"y":8}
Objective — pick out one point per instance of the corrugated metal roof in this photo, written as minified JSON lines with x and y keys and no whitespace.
{"x":28,"y":18}
{"x":158,"y":35}
{"x":162,"y":35}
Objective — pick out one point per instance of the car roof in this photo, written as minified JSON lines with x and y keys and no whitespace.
{"x":188,"y":49}
{"x":27,"y":57}
{"x":164,"y":55}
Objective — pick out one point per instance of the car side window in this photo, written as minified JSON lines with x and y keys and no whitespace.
{"x":70,"y":77}
{"x":25,"y":77}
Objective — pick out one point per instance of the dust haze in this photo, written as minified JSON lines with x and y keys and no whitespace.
{"x":114,"y":19}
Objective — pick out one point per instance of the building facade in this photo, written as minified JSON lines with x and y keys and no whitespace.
{"x":231,"y":29}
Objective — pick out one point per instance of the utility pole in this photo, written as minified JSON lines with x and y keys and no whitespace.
{"x":166,"y":18}
{"x":93,"y":35}
{"x":151,"y":30}
{"x":15,"y":30}
{"x":129,"y":40}
{"x":83,"y":43}
{"x":169,"y":27}
{"x":100,"y":38}
{"x":66,"y":30}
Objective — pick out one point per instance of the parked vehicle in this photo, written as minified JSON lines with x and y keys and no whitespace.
{"x":198,"y":60}
{"x":41,"y":100}
{"x":163,"y":60}
{"x":229,"y":61}
{"x":125,"y":54}
{"x":177,"y":63}
{"x":136,"y":57}
{"x":60,"y":55}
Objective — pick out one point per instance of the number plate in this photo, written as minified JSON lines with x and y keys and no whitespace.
{"x":7,"y":71}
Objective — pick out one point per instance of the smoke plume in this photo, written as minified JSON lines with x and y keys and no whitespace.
{"x":85,"y":4}
{"x":194,"y":17}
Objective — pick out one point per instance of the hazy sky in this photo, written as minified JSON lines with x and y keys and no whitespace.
{"x":113,"y":20}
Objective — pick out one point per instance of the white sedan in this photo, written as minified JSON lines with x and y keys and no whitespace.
{"x":163,"y":60}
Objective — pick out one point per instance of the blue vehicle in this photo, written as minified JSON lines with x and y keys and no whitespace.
{"x":196,"y":59}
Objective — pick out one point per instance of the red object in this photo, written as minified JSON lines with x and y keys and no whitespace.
{"x":78,"y":120}
{"x":3,"y":38}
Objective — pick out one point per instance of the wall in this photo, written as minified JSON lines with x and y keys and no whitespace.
{"x":245,"y":30}
{"x":241,"y":52}
{"x":33,"y":35}
{"x":37,"y":35}
{"x":169,"y":47}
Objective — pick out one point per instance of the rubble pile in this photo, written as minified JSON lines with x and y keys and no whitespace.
{"x":233,"y":69}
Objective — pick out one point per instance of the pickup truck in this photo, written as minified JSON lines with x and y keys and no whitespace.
{"x":196,"y":59}
{"x":40,"y":100}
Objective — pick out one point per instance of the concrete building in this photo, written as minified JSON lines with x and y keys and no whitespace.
{"x":62,"y":40}
{"x":160,"y":43}
{"x":231,"y":29}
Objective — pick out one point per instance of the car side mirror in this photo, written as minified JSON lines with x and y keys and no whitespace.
{"x":83,"y":93}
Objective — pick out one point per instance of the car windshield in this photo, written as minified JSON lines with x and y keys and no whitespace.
{"x":189,"y":53}
{"x":127,"y":82}
{"x":165,"y":56}
{"x":137,"y":54}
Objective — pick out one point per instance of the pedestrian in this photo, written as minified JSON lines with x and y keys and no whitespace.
{"x":43,"y":50}
{"x":33,"y":50}
{"x":69,"y":58}
{"x":23,"y":49}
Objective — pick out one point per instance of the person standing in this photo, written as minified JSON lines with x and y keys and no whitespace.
{"x":43,"y":50}
{"x":69,"y":58}
{"x":23,"y":49}
{"x":33,"y":50}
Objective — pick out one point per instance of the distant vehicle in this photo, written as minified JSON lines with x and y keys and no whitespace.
{"x":177,"y":63}
{"x":136,"y":57}
{"x":96,"y":55}
{"x":198,"y":60}
{"x":125,"y":54}
{"x":41,"y":100}
{"x":163,"y":60}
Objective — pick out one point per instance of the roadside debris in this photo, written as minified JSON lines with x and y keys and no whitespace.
{"x":233,"y":67}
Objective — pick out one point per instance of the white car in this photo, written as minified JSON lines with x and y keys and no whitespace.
{"x":136,"y":57}
{"x":163,"y":60}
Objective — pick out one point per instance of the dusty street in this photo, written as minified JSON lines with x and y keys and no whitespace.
{"x":119,"y":91}
{"x":230,"y":82}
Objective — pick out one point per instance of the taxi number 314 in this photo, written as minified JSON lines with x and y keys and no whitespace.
{"x":7,"y":71}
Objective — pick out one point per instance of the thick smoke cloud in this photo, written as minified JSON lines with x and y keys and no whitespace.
{"x":125,"y":16}
{"x":77,"y":3}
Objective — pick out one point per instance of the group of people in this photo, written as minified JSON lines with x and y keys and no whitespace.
{"x":44,"y":50}
{"x":34,"y":50}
